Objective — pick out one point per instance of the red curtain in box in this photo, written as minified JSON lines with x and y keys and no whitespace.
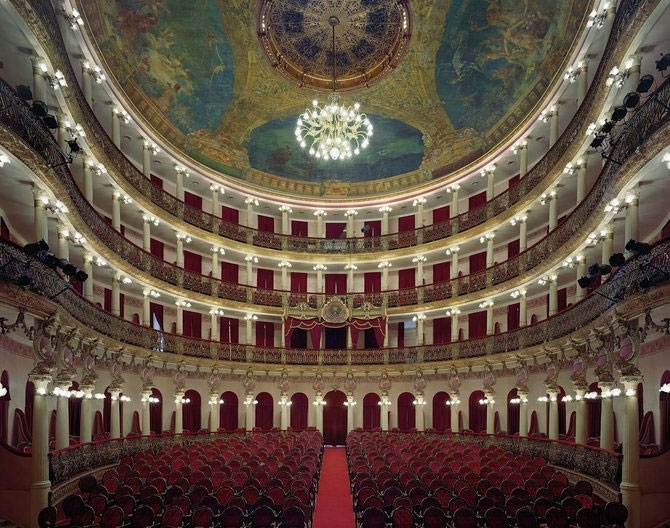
{"x":513,"y":316}
{"x":156,"y":315}
{"x":372,"y":282}
{"x":4,"y":229}
{"x":336,"y":230}
{"x":230,"y":214}
{"x":441,"y":272}
{"x":298,"y":282}
{"x":513,"y":248}
{"x":315,"y":326}
{"x":193,"y":262}
{"x":401,"y":334}
{"x":440,"y":215}
{"x":298,"y":228}
{"x":228,"y":411}
{"x":441,"y":330}
{"x":336,"y":284}
{"x":299,"y":411}
{"x":371,"y":411}
{"x":108,"y":302}
{"x":191,"y":411}
{"x":192,"y":324}
{"x":158,"y":182}
{"x":193,"y":200}
{"x":478,"y":262}
{"x":155,"y":413}
{"x":478,"y":200}
{"x":230,"y":272}
{"x":265,"y":279}
{"x":229,"y":330}
{"x":298,"y":339}
{"x":593,"y":410}
{"x":476,"y":324}
{"x":476,"y":412}
{"x":513,"y":413}
{"x":513,"y":181}
{"x":562,"y":299}
{"x":406,"y":223}
{"x":441,"y":412}
{"x":375,"y":228}
{"x":266,"y":224}
{"x":265,"y":334}
{"x":157,"y":248}
{"x":406,"y":278}
{"x":406,"y":411}
{"x":264,"y":411}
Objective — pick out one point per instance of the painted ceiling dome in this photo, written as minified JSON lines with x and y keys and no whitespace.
{"x":224,"y":83}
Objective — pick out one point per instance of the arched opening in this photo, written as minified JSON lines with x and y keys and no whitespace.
{"x":228,"y":415}
{"x":372,"y":411}
{"x":476,"y":412}
{"x":190,"y":412}
{"x":406,"y":411}
{"x":156,"y":412}
{"x":299,"y":411}
{"x":513,"y":412}
{"x":335,"y":418}
{"x":664,"y":410}
{"x":593,"y":409}
{"x":264,"y":411}
{"x":441,"y":412}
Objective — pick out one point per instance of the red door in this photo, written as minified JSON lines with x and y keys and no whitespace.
{"x":335,"y":418}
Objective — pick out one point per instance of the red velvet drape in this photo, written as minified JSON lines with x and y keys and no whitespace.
{"x":229,"y":330}
{"x":315,"y":335}
{"x":155,"y":413}
{"x":4,"y":408}
{"x":29,"y":396}
{"x":513,"y":413}
{"x":4,"y":229}
{"x":228,"y":419}
{"x":265,"y":279}
{"x":298,"y":282}
{"x":372,"y":282}
{"x":107,"y":303}
{"x":230,"y":272}
{"x":513,"y":316}
{"x":192,"y":262}
{"x":593,"y":411}
{"x":191,"y":414}
{"x":375,"y":228}
{"x":264,"y":411}
{"x":335,"y":284}
{"x":230,"y":214}
{"x":441,"y":330}
{"x":476,"y":324}
{"x":155,"y":180}
{"x":478,"y":262}
{"x":157,"y":248}
{"x":266,"y":224}
{"x":441,"y":412}
{"x":441,"y":272}
{"x":74,"y":411}
{"x":406,"y":411}
{"x":299,"y":411}
{"x":476,"y":201}
{"x":192,"y":324}
{"x":298,"y":228}
{"x":513,"y":248}
{"x":371,"y":411}
{"x":562,"y":299}
{"x":664,"y":411}
{"x":476,"y":412}
{"x":334,"y":418}
{"x":401,"y":334}
{"x":406,"y":278}
{"x":156,"y":313}
{"x":336,"y":230}
{"x":440,"y":215}
{"x":265,"y":334}
{"x":513,"y":180}
{"x":193,"y":200}
{"x":406,"y":223}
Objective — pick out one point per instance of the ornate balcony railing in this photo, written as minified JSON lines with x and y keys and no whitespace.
{"x":16,"y":268}
{"x":52,"y":39}
{"x":640,"y":128}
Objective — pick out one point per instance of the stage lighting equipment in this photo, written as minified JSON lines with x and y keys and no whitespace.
{"x":617,"y":260}
{"x":35,"y":248}
{"x":638,"y":248}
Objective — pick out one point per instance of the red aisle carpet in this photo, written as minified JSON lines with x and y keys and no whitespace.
{"x":333,"y":501}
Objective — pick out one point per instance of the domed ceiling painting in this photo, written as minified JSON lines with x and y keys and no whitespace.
{"x":198,"y":73}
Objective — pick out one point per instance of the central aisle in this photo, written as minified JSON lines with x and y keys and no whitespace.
{"x":333,"y":501}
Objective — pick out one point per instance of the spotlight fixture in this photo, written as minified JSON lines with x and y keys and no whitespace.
{"x":638,"y":248}
{"x":74,"y":146}
{"x":24,"y":92}
{"x":50,"y":121}
{"x":34,"y":248}
{"x":631,"y":100}
{"x":621,"y":111}
{"x":617,"y":260}
{"x":663,"y":63}
{"x":40,"y":108}
{"x":645,"y":84}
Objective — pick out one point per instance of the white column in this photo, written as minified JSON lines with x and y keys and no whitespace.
{"x":523,"y":308}
{"x":284,"y":265}
{"x":214,"y":323}
{"x":86,"y":422}
{"x":146,"y":308}
{"x":62,"y":134}
{"x":608,"y":245}
{"x":88,"y":179}
{"x":581,"y":271}
{"x":489,"y":318}
{"x":146,"y":412}
{"x":88,"y":269}
{"x":249,"y":327}
{"x":489,"y":174}
{"x":582,"y":81}
{"x":40,"y":216}
{"x":214,"y":414}
{"x":180,"y":249}
{"x":62,"y":412}
{"x":489,"y":249}
{"x":490,"y":411}
{"x":454,"y":262}
{"x":632,"y":229}
{"x":179,"y":412}
{"x":553,"y":295}
{"x":116,"y":296}
{"x":216,"y":268}
{"x":63,"y":242}
{"x":523,"y":158}
{"x":284,"y":412}
{"x":385,"y":265}
{"x":116,"y":127}
{"x":39,"y":79}
{"x":420,"y":220}
{"x":385,"y":404}
{"x":419,"y":319}
{"x":630,"y":471}
{"x":87,"y":83}
{"x":250,"y":411}
{"x":250,"y":269}
{"x":553,"y":413}
{"x":216,"y":208}
{"x":553,"y":126}
{"x":146,"y":232}
{"x":351,"y":404}
{"x":454,"y":412}
{"x":580,"y":415}
{"x":40,"y":486}
{"x":115,"y":416}
{"x":419,"y":418}
{"x":285,"y":221}
{"x":523,"y":413}
{"x":453,"y":210}
{"x":146,"y":159}
{"x":320,"y":231}
{"x":116,"y":210}
{"x":454,"y":324}
{"x":553,"y":210}
{"x":350,"y":214}
{"x":179,"y":173}
{"x":419,"y":260}
{"x":319,"y":268}
{"x":523,"y":233}
{"x":319,"y":404}
{"x":606,"y":416}
{"x":250,"y":202}
{"x":581,"y":181}
{"x":180,"y":317}
{"x":633,"y":79}
{"x":385,"y":210}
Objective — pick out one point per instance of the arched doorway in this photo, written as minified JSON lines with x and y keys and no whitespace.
{"x":335,"y":418}
{"x":228,"y":411}
{"x":406,"y":411}
{"x":513,"y":413}
{"x":299,"y":411}
{"x":441,"y":412}
{"x":476,"y":412}
{"x":371,"y":411}
{"x":264,"y":411}
{"x":191,"y":411}
{"x":156,"y":412}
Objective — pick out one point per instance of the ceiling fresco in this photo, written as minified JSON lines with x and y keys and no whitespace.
{"x":472,"y":71}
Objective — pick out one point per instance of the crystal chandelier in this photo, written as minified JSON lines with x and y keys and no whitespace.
{"x":333,"y":131}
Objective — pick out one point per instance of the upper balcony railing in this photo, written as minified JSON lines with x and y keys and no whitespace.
{"x":19,"y":269}
{"x":627,"y":9}
{"x":637,"y":132}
